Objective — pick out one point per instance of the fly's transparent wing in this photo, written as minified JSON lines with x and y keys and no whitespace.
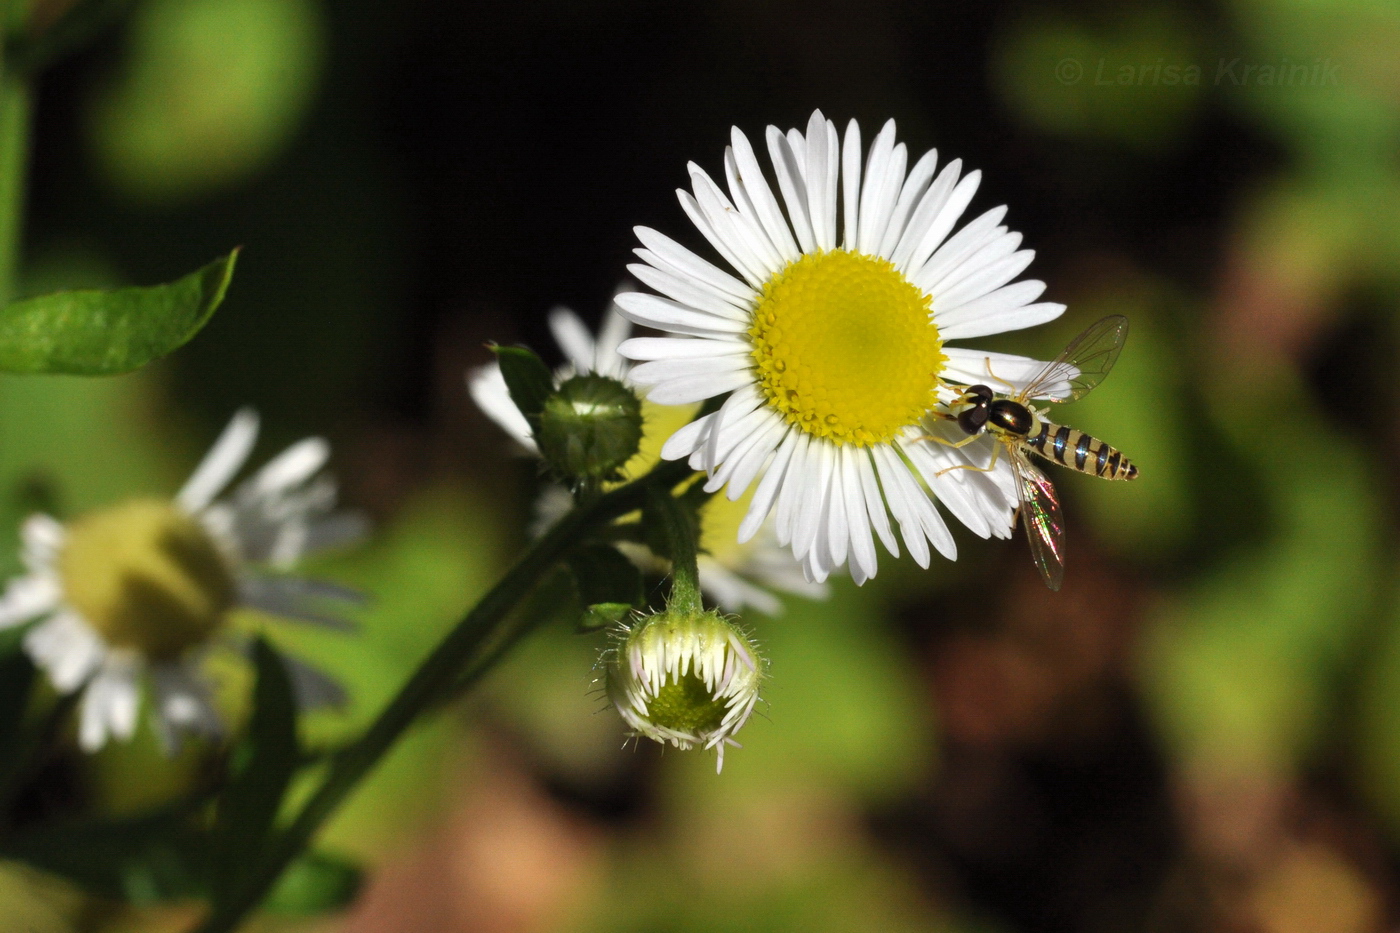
{"x":1083,"y":364}
{"x":1040,"y":513}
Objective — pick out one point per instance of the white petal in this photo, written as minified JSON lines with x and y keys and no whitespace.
{"x":716,"y":238}
{"x":741,"y":413}
{"x":748,"y":466}
{"x":689,"y":292}
{"x":925,"y":212}
{"x":291,"y":467}
{"x":989,"y":249}
{"x":875,"y":503}
{"x":684,"y":441}
{"x":768,"y":487}
{"x":986,"y":280}
{"x":667,"y":315}
{"x":488,"y":389}
{"x":224,"y":459}
{"x":903,"y":495}
{"x":743,"y":462}
{"x":740,"y":231}
{"x":857,"y":515}
{"x":732,"y":592}
{"x":682,"y":348}
{"x":743,"y":203}
{"x":946,"y":219}
{"x":765,"y":204}
{"x":42,"y":537}
{"x":288,"y":598}
{"x":67,"y":648}
{"x":27,"y":597}
{"x":801,"y":473}
{"x":669,"y":256}
{"x":663,"y":370}
{"x":823,"y":164}
{"x":787,"y":165}
{"x":613,"y":330}
{"x":850,"y":185}
{"x":573,"y":338}
{"x":689,"y":389}
{"x":946,"y":486}
{"x":882,"y":182}
{"x":959,"y":246}
{"x":812,"y":508}
{"x":1005,"y":372}
{"x":913,"y":189}
{"x":1005,"y":309}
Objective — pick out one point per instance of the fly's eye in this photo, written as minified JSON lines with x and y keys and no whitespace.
{"x":978,"y":393}
{"x":972,"y":420}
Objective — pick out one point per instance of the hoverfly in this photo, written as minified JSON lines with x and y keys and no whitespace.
{"x":1020,"y":428}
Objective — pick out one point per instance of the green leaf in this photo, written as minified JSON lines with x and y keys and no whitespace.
{"x":530,"y":382}
{"x":143,"y":859}
{"x":316,"y":883}
{"x":263,"y":767}
{"x":100,"y":333}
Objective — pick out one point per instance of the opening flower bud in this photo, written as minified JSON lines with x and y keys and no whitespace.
{"x":147,"y":576}
{"x":684,"y":679}
{"x":590,"y":427}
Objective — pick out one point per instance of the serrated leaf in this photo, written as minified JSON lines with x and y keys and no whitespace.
{"x":100,"y":333}
{"x":264,"y":764}
{"x":316,"y":883}
{"x":530,"y":382}
{"x":605,"y":575}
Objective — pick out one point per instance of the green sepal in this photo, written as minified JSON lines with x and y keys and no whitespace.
{"x":527,"y":377}
{"x":603,"y":615}
{"x":316,"y":883}
{"x":263,"y":765}
{"x":101,"y":333}
{"x":609,"y":585}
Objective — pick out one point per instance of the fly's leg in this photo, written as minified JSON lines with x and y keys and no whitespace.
{"x":995,"y":378}
{"x":996,"y":452}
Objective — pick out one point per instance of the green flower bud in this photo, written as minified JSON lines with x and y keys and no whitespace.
{"x":590,"y":427}
{"x":684,"y":678}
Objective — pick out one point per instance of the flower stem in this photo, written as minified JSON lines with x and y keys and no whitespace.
{"x":14,"y":163}
{"x":437,"y":678}
{"x":678,"y":526}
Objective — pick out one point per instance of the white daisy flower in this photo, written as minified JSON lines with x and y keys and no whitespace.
{"x":830,"y":335}
{"x":735,"y":574}
{"x":146,"y":587}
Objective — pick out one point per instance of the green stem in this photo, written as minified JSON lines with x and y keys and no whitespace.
{"x":439,"y":677}
{"x":14,"y":164}
{"x":678,"y":526}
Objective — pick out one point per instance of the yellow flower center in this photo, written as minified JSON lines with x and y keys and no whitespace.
{"x":147,"y":577}
{"x":846,"y":348}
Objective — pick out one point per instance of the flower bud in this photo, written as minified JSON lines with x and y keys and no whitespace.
{"x":147,"y":577}
{"x":590,"y":427}
{"x":684,"y":678}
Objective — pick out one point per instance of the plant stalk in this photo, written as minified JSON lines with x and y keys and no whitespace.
{"x":439,"y":677}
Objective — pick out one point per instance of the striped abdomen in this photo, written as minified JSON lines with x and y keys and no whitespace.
{"x":1080,"y":451}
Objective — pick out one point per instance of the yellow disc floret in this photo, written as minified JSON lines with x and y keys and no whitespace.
{"x":846,"y":348}
{"x":147,"y":577}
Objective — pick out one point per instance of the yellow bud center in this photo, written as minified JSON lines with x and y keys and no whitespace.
{"x":146,"y":576}
{"x":845,"y":347}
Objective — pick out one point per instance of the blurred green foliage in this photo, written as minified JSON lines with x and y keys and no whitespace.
{"x":209,"y":91}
